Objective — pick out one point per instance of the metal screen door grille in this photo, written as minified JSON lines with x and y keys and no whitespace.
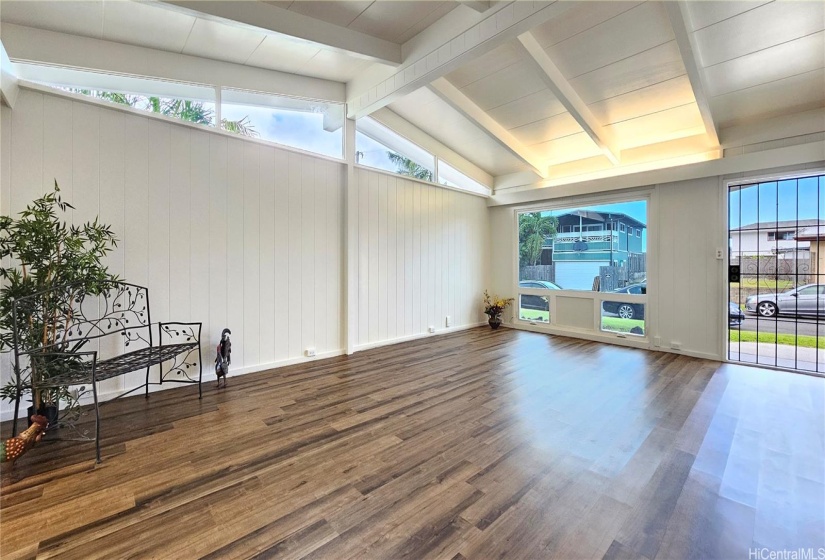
{"x":774,"y":235}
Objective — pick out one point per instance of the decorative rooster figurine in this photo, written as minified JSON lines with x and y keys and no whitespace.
{"x":12,"y":449}
{"x":224,"y":357}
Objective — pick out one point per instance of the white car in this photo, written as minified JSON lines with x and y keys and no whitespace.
{"x":805,"y":300}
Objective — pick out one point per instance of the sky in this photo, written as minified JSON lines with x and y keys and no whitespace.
{"x":374,"y":154}
{"x":292,"y":128}
{"x":777,"y":201}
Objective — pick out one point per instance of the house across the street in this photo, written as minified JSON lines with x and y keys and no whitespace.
{"x":783,"y":238}
{"x":588,"y":240}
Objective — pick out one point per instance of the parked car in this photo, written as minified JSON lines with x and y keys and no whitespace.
{"x":805,"y":300}
{"x":624,"y":309}
{"x":735,"y":315}
{"x":538,"y":303}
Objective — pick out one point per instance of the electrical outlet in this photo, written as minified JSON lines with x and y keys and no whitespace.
{"x":449,"y":321}
{"x":310,"y":352}
{"x":431,"y":329}
{"x":676,"y":345}
{"x":720,"y":254}
{"x":657,"y":341}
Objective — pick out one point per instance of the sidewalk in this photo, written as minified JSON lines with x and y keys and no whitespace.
{"x":778,"y":355}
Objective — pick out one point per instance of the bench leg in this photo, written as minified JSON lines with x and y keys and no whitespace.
{"x":97,"y":422}
{"x":16,"y":413}
{"x":147,"y":381}
{"x":200,"y":374}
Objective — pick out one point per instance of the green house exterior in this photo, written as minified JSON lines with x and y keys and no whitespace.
{"x":586,"y":241}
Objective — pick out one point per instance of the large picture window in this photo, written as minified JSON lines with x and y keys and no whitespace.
{"x":601,"y":249}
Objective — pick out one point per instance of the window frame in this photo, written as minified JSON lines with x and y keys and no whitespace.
{"x":647,"y":195}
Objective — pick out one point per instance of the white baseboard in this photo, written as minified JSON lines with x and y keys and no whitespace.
{"x":8,"y":413}
{"x":400,"y":339}
{"x":642,"y":344}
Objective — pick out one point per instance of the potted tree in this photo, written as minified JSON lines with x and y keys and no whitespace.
{"x":39,"y":252}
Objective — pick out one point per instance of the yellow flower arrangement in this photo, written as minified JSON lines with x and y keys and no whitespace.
{"x":494,"y":306}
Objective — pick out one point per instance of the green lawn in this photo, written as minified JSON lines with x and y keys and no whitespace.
{"x":617,"y":324}
{"x":769,"y":283}
{"x":613,"y":324}
{"x":802,"y":340}
{"x":533,"y":315}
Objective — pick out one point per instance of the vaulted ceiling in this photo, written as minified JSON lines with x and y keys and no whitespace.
{"x":534,"y":90}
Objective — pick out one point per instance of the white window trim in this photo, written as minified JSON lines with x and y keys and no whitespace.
{"x":644,"y":341}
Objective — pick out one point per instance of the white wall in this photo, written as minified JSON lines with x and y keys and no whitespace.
{"x":225,"y":231}
{"x":422,"y":255}
{"x":236,"y":233}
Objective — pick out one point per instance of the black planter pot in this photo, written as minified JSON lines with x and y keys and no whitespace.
{"x":50,"y":411}
{"x":495,"y":321}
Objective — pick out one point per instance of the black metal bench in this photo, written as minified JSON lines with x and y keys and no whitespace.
{"x":114,"y":308}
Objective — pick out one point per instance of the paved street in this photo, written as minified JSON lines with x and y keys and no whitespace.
{"x":787,"y":325}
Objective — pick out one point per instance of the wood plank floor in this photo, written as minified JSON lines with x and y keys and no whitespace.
{"x":477,"y":444}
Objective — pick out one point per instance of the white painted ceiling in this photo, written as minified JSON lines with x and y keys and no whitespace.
{"x":622,"y":60}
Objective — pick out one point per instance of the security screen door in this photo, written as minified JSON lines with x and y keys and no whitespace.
{"x":776,"y":236}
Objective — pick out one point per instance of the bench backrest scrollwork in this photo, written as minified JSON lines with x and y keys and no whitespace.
{"x":65,"y":317}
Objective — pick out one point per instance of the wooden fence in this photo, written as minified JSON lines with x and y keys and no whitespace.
{"x":545,"y":272}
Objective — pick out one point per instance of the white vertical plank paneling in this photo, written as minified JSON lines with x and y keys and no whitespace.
{"x":334,"y":252}
{"x":372,"y":229}
{"x":438,"y":276}
{"x":179,"y":223}
{"x":281,"y":260}
{"x":251,"y":253}
{"x":112,"y":143}
{"x":307,"y":247}
{"x":222,"y":230}
{"x":383,"y":264}
{"x":426,"y":268}
{"x":112,"y":204}
{"x":235,"y":249}
{"x":420,"y":252}
{"x":199,"y":256}
{"x":267,"y":255}
{"x":27,"y":151}
{"x":58,"y":146}
{"x":400,"y":256}
{"x":363,"y":256}
{"x":415,"y":189}
{"x":295,"y":254}
{"x":319,"y":226}
{"x":135,"y":233}
{"x":218,"y":303}
{"x":159,"y":221}
{"x":410,"y":262}
{"x":5,"y":159}
{"x":392,"y":259}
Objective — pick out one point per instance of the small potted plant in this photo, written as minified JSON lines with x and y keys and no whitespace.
{"x":493,"y":307}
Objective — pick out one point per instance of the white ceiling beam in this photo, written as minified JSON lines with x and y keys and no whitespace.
{"x":9,"y":87}
{"x":26,"y":44}
{"x":400,"y":125}
{"x":561,"y":88}
{"x":464,"y":105}
{"x":441,"y":55}
{"x":677,"y":12}
{"x":284,"y":22}
{"x":480,"y":6}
